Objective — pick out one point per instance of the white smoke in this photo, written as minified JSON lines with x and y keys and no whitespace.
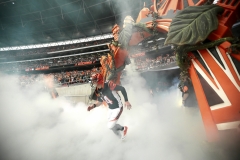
{"x":35,"y":127}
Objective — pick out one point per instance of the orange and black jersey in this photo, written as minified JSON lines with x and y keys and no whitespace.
{"x":110,"y":96}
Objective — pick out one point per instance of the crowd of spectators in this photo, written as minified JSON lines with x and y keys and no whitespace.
{"x":74,"y":77}
{"x":27,"y":80}
{"x":45,"y":64}
{"x":143,"y":63}
{"x":26,"y":52}
{"x":146,"y":47}
{"x":59,"y":79}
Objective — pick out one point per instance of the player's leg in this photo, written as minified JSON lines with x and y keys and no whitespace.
{"x":184,"y":98}
{"x":116,"y":130}
{"x":113,"y":117}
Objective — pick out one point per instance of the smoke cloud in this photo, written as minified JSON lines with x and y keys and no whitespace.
{"x":35,"y":127}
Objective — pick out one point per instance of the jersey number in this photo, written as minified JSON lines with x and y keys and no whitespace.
{"x":107,"y":100}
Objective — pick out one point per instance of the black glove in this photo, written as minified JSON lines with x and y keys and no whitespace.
{"x":91,"y":107}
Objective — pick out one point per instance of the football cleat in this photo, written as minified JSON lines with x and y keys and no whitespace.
{"x":124,"y":132}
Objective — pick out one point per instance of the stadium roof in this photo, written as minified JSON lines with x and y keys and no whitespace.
{"x":28,"y":22}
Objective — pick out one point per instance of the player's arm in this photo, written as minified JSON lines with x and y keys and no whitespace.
{"x":123,"y":90}
{"x":94,"y":105}
{"x":124,"y":93}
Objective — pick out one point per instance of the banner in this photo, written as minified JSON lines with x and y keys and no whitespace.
{"x":138,"y":55}
{"x":83,"y":63}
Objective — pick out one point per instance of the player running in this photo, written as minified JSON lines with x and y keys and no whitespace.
{"x":108,"y":92}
